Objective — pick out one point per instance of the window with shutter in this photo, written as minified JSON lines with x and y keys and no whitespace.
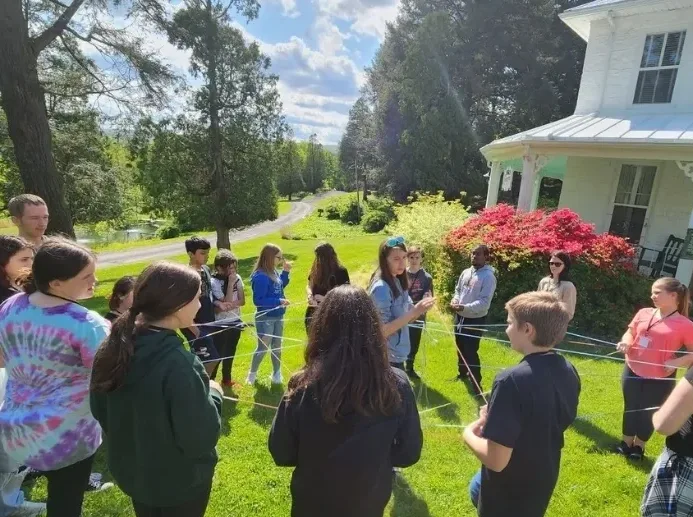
{"x":659,"y":66}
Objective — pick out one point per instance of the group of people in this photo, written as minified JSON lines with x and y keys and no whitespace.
{"x":142,"y":377}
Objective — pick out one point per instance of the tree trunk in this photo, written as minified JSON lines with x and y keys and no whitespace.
{"x":365,"y":186}
{"x":223,"y":241}
{"x":27,"y":121}
{"x":289,"y":196}
{"x":215,"y":138}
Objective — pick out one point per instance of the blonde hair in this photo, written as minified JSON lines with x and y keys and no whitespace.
{"x":683,"y":298}
{"x":265,"y":262}
{"x":546,"y":313}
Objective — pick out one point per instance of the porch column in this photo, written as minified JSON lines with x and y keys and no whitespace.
{"x":684,"y":271}
{"x":535,"y":192}
{"x":529,"y":175}
{"x":493,"y":184}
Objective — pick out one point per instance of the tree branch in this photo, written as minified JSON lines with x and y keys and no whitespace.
{"x":51,"y":33}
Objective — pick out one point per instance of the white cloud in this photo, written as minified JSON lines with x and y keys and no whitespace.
{"x":367,"y":17}
{"x":329,"y":38}
{"x":288,"y":7}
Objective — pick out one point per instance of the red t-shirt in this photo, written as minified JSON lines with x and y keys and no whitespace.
{"x":658,"y":344}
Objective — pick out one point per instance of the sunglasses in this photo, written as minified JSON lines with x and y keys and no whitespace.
{"x":394,"y":241}
{"x":556,"y":264}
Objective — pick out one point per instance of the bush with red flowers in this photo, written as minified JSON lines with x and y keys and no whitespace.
{"x":609,"y":288}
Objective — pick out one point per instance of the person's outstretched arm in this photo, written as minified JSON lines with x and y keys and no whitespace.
{"x":676,"y":409}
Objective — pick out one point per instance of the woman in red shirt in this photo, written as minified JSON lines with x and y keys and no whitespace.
{"x":650,"y":344}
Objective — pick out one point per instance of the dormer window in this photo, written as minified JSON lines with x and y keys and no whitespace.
{"x":659,"y":67}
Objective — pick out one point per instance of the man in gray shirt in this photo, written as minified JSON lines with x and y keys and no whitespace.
{"x":471,"y":303}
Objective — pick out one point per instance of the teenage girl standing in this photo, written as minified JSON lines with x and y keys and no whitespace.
{"x":268,"y":296}
{"x":650,"y":344}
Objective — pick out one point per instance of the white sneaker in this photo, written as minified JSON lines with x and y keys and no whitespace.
{"x":250,"y":379}
{"x":29,"y":509}
{"x":276,"y":378}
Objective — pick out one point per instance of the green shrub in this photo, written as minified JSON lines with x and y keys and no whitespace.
{"x":609,"y":289}
{"x":350,"y":212}
{"x":381,"y":204}
{"x":332,"y":211}
{"x":425,"y":222}
{"x":170,"y":231}
{"x":375,"y":220}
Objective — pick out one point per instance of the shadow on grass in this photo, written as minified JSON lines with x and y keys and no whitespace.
{"x":271,"y":396}
{"x":228,"y":412}
{"x":603,"y":442}
{"x":427,"y":397}
{"x":406,"y":502}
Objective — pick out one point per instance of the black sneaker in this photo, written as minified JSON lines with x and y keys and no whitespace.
{"x":636,"y":453}
{"x":623,"y":448}
{"x":462,"y":377}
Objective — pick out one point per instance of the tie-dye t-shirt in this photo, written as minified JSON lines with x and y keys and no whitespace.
{"x":46,"y":422}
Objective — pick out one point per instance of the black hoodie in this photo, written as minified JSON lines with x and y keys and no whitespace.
{"x":162,"y":424}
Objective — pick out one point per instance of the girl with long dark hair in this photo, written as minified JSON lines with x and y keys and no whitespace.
{"x":388,"y":288}
{"x":558,"y":282}
{"x":154,"y":400}
{"x":650,"y":345}
{"x":16,"y":257}
{"x":48,"y":342}
{"x":347,"y":418}
{"x":326,"y":273}
{"x":121,"y":298}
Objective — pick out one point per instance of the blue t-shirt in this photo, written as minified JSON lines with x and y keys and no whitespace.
{"x":391,"y":308}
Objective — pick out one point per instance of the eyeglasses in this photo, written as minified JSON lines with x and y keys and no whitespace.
{"x":556,"y":264}
{"x":394,"y":241}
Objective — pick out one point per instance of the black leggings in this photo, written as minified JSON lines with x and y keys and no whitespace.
{"x":66,"y":487}
{"x":640,"y":393}
{"x":226,"y":343}
{"x":415,"y":331}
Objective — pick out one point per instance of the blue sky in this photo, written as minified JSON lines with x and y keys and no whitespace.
{"x":319,"y":49}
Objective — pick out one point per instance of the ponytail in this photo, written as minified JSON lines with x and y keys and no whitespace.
{"x":684,"y":299}
{"x":113,"y":357}
{"x":27,"y":283}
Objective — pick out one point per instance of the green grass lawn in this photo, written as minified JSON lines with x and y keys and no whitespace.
{"x":592,"y":481}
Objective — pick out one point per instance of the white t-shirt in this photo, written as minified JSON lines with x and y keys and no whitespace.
{"x":218,"y":295}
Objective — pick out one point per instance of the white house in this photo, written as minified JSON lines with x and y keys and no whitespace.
{"x":626,"y":155}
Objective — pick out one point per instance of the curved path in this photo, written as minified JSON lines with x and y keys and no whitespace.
{"x":299,"y":210}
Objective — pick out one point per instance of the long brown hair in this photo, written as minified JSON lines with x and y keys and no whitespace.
{"x":10,"y":245}
{"x":346,"y":358}
{"x":683,"y":298}
{"x":120,"y":290}
{"x":324,"y":270}
{"x":161,"y":290}
{"x":265,"y":262}
{"x":383,"y":271}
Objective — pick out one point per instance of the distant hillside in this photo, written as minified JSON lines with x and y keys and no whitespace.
{"x":334,"y":149}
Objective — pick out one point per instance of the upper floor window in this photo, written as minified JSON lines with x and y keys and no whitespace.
{"x":659,"y":67}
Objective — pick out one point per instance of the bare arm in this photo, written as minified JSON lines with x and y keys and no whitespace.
{"x":676,"y":409}
{"x":493,"y":455}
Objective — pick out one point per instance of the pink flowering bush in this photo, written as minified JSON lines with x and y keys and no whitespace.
{"x":609,"y":288}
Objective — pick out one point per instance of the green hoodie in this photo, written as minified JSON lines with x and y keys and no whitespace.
{"x":162,"y":424}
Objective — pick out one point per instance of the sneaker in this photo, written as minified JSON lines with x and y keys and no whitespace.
{"x":95,"y":484}
{"x":623,"y":448}
{"x":276,"y":378}
{"x":250,"y":379}
{"x":29,"y":509}
{"x":637,"y":453}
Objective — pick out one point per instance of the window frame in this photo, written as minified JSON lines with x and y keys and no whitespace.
{"x":643,"y":69}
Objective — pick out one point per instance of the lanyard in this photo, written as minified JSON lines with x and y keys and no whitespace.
{"x":651,"y":324}
{"x":60,"y":297}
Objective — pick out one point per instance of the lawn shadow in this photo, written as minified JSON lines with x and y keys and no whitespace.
{"x":271,"y":396}
{"x":406,"y":502}
{"x":427,"y":397}
{"x":228,"y":411}
{"x":603,"y":442}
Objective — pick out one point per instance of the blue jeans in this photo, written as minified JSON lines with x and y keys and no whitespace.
{"x":269,"y":336}
{"x":475,"y":489}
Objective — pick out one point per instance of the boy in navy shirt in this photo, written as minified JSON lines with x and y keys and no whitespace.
{"x":519,"y":435}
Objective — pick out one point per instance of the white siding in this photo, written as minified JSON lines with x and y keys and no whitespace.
{"x":612,"y":63}
{"x":589,"y":189}
{"x":672,"y":206}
